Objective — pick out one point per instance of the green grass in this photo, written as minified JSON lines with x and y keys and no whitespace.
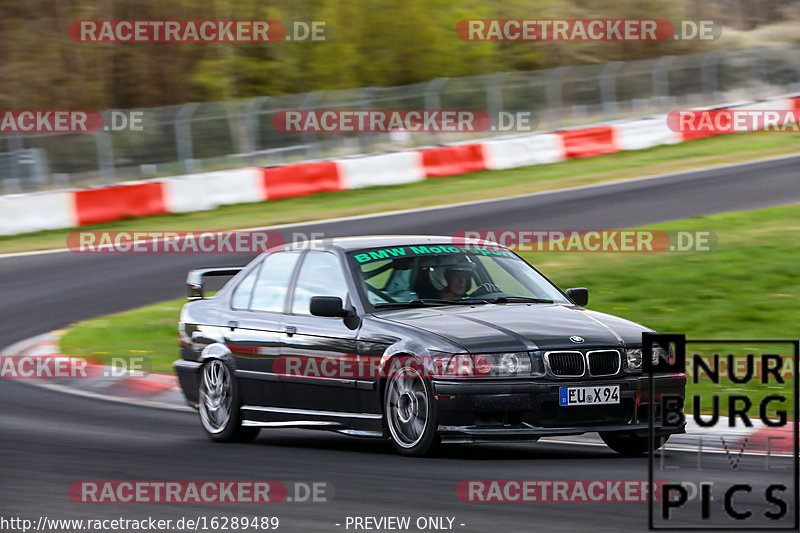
{"x":150,"y":332}
{"x":475,"y":186}
{"x":748,"y":287}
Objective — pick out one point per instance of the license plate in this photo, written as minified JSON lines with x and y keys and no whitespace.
{"x":600,"y":395}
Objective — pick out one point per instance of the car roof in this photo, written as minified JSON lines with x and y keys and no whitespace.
{"x":378,"y":241}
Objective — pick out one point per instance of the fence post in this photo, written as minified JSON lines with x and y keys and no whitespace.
{"x":608,"y":88}
{"x":757,"y":73}
{"x":709,"y":75}
{"x":105,"y":150}
{"x":554,"y":97}
{"x":661,"y":80}
{"x":253,"y":136}
{"x":310,"y":138}
{"x":796,"y":54}
{"x":494,"y":96}
{"x":183,"y":136}
{"x":363,"y":103}
{"x":431,"y":94}
{"x":15,"y":144}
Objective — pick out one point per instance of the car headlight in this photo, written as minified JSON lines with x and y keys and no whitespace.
{"x":634,"y":357}
{"x":509,"y":363}
{"x":490,"y":364}
{"x":504,"y":364}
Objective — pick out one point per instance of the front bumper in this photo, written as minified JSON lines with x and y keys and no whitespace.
{"x":473,"y":411}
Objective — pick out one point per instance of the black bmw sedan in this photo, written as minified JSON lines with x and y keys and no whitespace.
{"x":421,"y":340}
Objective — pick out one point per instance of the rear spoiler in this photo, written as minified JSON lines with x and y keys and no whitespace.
{"x":194,"y":280}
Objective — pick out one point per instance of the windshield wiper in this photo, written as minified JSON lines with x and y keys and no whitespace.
{"x":422,"y":302}
{"x":520,"y":299}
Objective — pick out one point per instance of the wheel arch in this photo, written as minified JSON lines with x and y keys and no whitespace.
{"x":217,"y":351}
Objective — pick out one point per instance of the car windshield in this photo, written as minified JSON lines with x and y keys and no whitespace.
{"x":449,"y":275}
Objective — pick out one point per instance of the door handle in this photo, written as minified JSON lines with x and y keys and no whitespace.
{"x":233,"y":325}
{"x":290,"y":330}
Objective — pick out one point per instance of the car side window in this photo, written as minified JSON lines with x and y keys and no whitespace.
{"x":272,"y":282}
{"x":321,"y":274}
{"x":241,"y":295}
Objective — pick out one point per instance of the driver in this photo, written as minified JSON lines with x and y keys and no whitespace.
{"x":457,"y":284}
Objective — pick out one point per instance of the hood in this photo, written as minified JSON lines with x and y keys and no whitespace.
{"x":520,"y":327}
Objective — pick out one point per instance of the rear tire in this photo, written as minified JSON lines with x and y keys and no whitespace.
{"x":410,"y":411}
{"x":629,"y":444}
{"x":220,"y":406}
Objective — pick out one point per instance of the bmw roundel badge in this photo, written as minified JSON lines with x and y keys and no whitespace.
{"x":576,"y":339}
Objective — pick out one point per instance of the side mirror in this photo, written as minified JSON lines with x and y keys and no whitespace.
{"x":330,"y":306}
{"x":580,"y":296}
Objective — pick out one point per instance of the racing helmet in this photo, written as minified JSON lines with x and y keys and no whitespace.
{"x":439,"y":274}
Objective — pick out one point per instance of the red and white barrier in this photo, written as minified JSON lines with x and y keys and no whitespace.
{"x":200,"y":192}
{"x":24,"y":213}
{"x":106,"y":204}
{"x":384,"y":169}
{"x":644,"y":133}
{"x":453,"y":160}
{"x":524,"y":151}
{"x":301,"y":179}
{"x":588,"y":142}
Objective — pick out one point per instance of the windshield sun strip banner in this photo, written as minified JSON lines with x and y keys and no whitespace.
{"x":379,"y":254}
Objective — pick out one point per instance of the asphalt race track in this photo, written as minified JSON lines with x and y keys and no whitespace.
{"x":50,"y":440}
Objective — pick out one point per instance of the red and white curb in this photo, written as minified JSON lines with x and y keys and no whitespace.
{"x":120,"y":385}
{"x":163,"y":391}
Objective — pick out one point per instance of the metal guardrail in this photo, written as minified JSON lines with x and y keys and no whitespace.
{"x":25,"y":169}
{"x":216,"y":135}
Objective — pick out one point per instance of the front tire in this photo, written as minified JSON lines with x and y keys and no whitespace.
{"x":219,"y":404}
{"x":410,"y":411}
{"x":629,"y":444}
